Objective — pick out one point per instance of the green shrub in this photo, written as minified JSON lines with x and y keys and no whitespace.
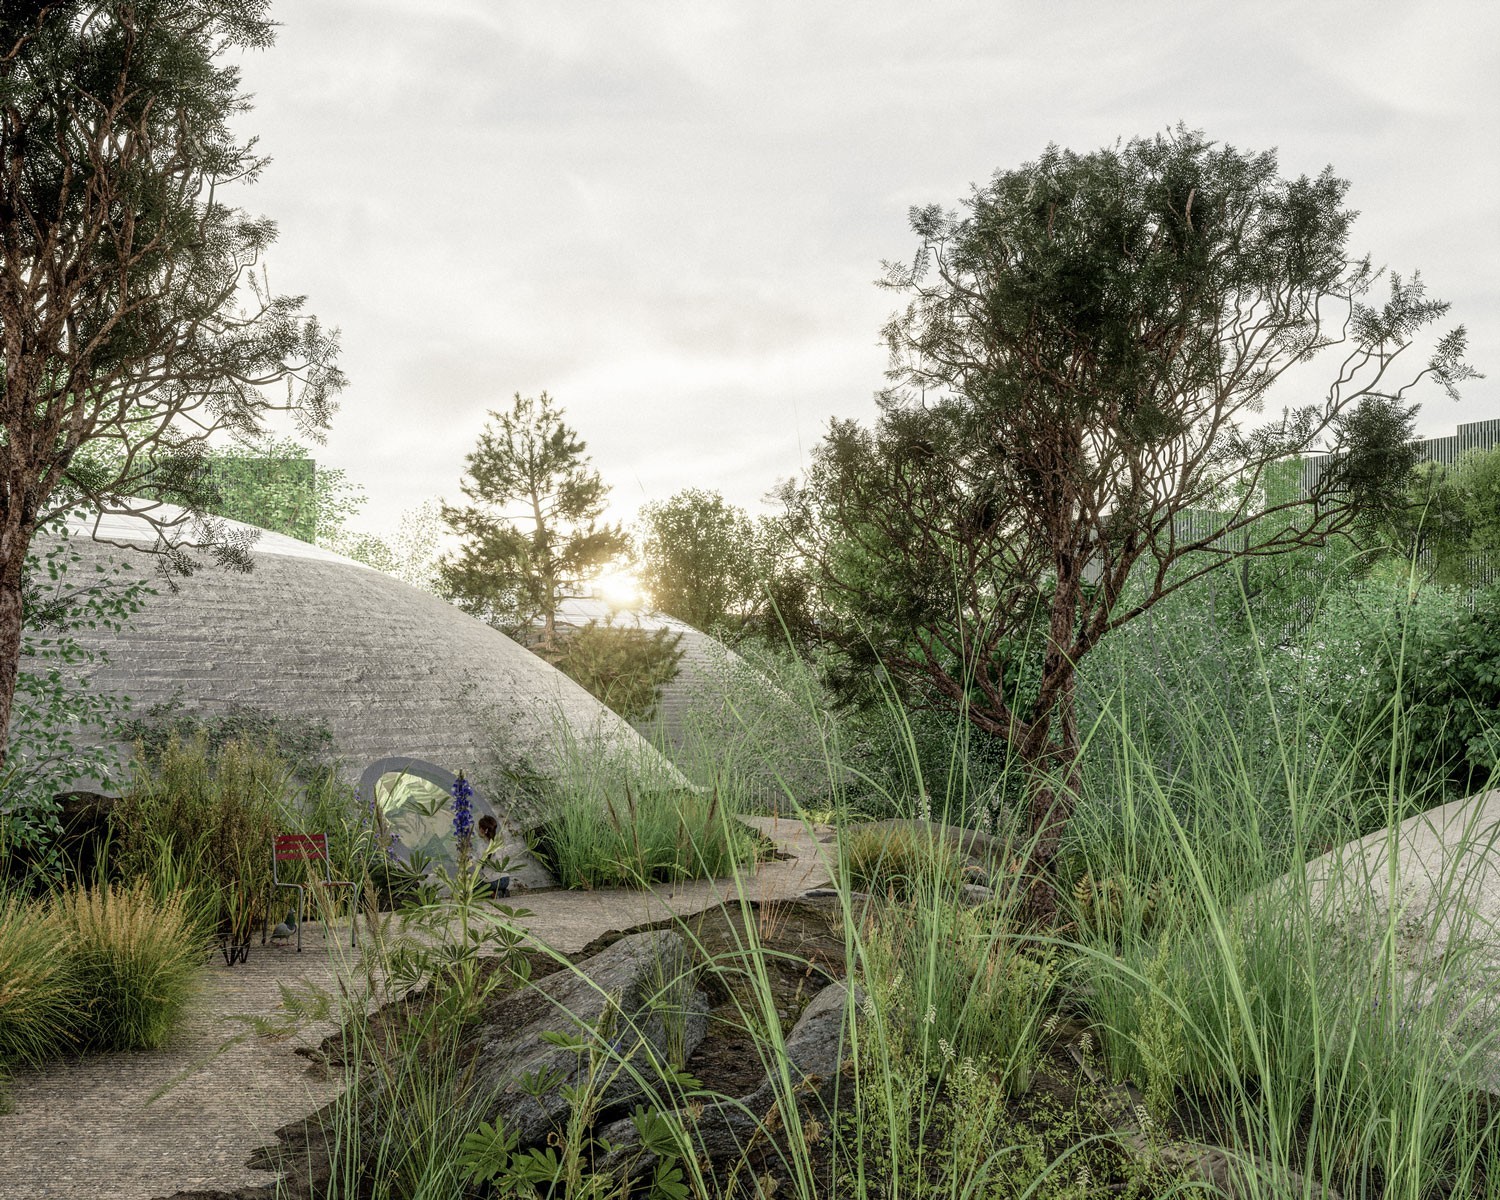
{"x":38,"y":991}
{"x":899,"y":758}
{"x":135,"y":960}
{"x":622,"y":667}
{"x":960,"y":983}
{"x":606,"y":839}
{"x":201,"y":825}
{"x":1445,"y":677}
{"x":1241,"y":999}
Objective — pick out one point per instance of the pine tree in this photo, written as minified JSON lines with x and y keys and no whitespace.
{"x":531,"y":529}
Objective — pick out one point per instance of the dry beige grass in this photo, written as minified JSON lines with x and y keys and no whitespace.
{"x":135,"y":959}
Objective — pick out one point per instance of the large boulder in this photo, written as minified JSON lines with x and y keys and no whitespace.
{"x":814,"y":1054}
{"x":637,"y":997}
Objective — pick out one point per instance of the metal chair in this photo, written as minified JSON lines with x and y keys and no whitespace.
{"x":311,"y":849}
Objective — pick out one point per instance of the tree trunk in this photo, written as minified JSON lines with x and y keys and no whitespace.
{"x":542,"y":543}
{"x":1053,"y":761}
{"x":14,"y":543}
{"x":1050,"y":808}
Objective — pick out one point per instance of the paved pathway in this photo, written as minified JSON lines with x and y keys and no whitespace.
{"x":187,"y":1117}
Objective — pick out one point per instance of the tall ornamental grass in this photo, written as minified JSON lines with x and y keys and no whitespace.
{"x":624,"y":838}
{"x":93,"y":969}
{"x":199,"y":825}
{"x":39,"y":993}
{"x":1296,"y":1009}
{"x":135,"y":960}
{"x":1327,"y":1024}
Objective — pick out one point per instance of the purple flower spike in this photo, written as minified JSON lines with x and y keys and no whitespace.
{"x":463,"y":816}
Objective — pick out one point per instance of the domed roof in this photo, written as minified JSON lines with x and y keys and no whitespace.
{"x":391,"y":670}
{"x":703,"y":671}
{"x":721,"y":708}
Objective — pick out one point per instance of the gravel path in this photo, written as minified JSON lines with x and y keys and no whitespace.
{"x":148,"y":1125}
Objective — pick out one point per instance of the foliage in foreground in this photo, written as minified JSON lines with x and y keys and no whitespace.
{"x":628,"y":838}
{"x":93,"y":969}
{"x":135,"y":959}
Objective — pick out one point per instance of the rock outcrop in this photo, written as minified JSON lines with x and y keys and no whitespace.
{"x":637,"y":998}
{"x":814,"y":1052}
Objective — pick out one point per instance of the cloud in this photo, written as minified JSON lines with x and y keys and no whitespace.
{"x":671,"y":214}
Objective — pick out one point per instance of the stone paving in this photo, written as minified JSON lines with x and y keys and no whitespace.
{"x":142,"y":1126}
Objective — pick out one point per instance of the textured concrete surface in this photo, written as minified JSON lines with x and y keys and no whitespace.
{"x":148,"y":1125}
{"x":390,"y":669}
{"x":1431,"y":889}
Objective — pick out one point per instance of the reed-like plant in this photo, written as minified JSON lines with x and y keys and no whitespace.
{"x":199,"y":825}
{"x":1302,"y":1015}
{"x":624,"y":838}
{"x":39,"y":993}
{"x":135,"y":961}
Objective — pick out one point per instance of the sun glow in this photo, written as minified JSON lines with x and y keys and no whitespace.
{"x":620,"y":588}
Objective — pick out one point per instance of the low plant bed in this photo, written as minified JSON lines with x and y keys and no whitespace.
{"x":637,"y":840}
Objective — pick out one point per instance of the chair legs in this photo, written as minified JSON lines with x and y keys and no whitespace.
{"x":302,"y":907}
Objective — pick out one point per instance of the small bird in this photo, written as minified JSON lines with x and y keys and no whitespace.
{"x":287,"y":929}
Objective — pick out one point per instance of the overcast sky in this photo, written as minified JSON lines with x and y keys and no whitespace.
{"x":670,"y":215}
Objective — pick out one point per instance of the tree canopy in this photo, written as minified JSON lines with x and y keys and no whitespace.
{"x":531,"y":531}
{"x":699,"y":558}
{"x":132,"y":317}
{"x":1074,"y":424}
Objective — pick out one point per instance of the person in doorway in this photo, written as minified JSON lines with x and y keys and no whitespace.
{"x":491,"y":881}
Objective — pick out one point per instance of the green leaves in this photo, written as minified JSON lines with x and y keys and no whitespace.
{"x":155,"y":331}
{"x":624,"y":667}
{"x":531,"y":532}
{"x":485,"y":1154}
{"x":53,"y":710}
{"x":701,"y":560}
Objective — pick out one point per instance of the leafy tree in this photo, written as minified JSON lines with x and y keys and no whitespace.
{"x":410,"y":554}
{"x":131,"y":319}
{"x":1076,"y":379}
{"x":512,"y":574}
{"x":624,"y":667}
{"x":699,"y":559}
{"x":275,"y":484}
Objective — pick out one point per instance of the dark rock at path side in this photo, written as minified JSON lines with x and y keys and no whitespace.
{"x":814,"y":1054}
{"x":656,"y":1012}
{"x":656,"y":1015}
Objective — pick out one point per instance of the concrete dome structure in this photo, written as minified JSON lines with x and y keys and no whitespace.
{"x":722,"y":710}
{"x":391,"y":670}
{"x":705,"y":664}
